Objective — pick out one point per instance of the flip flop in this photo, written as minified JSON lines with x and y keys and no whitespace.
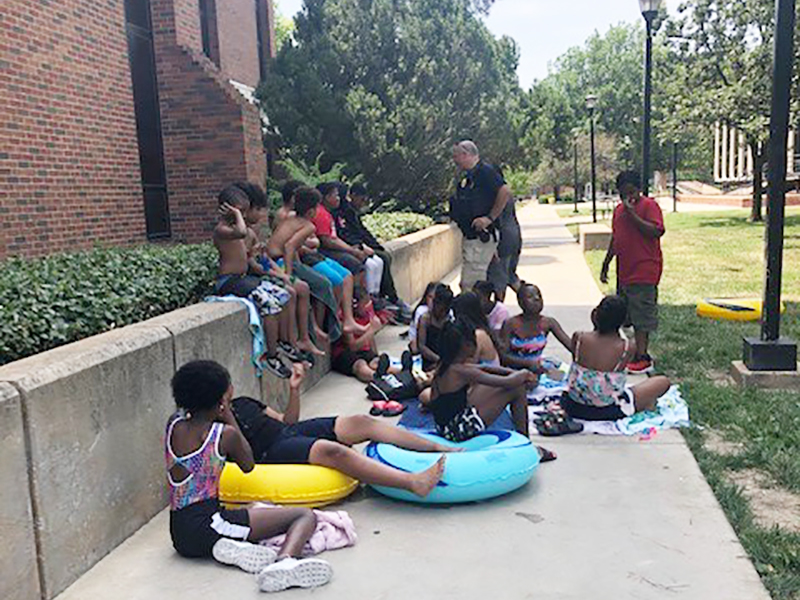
{"x":377,"y":408}
{"x":546,"y":455}
{"x":393,"y":409}
{"x":552,"y":425}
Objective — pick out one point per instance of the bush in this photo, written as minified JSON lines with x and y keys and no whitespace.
{"x":520,"y":181}
{"x":391,"y":225}
{"x":51,"y":301}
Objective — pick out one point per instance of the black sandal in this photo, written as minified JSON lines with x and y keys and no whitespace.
{"x":552,"y":425}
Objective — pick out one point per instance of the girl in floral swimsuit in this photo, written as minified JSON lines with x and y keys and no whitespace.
{"x":598,"y":388}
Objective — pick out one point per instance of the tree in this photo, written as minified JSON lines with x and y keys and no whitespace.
{"x":284,"y":26}
{"x":722,"y":57}
{"x":387,"y":86}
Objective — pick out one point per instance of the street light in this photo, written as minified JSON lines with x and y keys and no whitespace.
{"x":575,"y":133}
{"x":771,"y":352}
{"x":650,"y":10}
{"x":591,"y":102}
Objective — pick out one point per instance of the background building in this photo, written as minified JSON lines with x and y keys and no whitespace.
{"x":121,"y":120}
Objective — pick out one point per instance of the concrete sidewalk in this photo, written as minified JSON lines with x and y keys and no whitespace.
{"x":611,"y":518}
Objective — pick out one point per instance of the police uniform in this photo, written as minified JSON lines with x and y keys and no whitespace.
{"x":476,"y":192}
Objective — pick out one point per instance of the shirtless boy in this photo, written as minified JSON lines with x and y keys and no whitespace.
{"x":290,"y":235}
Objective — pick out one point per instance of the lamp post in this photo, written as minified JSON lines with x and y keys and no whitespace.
{"x":771,"y":352}
{"x":675,"y":176}
{"x":591,"y":103}
{"x":649,"y":12}
{"x":575,"y":167}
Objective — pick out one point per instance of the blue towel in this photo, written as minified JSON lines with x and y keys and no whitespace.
{"x":259,"y":343}
{"x":414,"y":418}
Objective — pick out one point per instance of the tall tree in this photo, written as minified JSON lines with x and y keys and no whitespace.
{"x":387,"y":86}
{"x":723,"y":74}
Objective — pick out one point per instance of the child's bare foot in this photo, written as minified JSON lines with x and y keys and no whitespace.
{"x":424,"y":482}
{"x":309,"y":346}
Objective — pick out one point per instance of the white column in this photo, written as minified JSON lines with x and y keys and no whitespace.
{"x":740,"y":166}
{"x":732,"y":155}
{"x":723,"y":174}
{"x":717,"y":141}
{"x":790,"y":156}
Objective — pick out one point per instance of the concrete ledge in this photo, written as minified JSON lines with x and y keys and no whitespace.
{"x":95,"y":413}
{"x":594,"y":236}
{"x":424,"y":256}
{"x":19,"y":573}
{"x":217,"y":331}
{"x":768,"y":380}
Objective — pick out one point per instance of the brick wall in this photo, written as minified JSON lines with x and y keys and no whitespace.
{"x":212,"y":135}
{"x":238,"y":49}
{"x":69,"y":163}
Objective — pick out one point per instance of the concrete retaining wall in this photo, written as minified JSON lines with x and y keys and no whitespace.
{"x":19,"y":577}
{"x":422,"y":257}
{"x":81,"y":426}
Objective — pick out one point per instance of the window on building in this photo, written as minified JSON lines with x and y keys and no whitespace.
{"x":148,"y":119}
{"x":262,"y":35}
{"x":208,"y":29}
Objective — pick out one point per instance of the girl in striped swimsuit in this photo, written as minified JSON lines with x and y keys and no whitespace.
{"x":198,"y":441}
{"x":523,"y":338}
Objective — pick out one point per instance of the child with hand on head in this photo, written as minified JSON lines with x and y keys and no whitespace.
{"x":233,"y":278}
{"x":597,"y":384}
{"x":296,"y":318}
{"x":198,"y":442}
{"x":523,"y":338}
{"x":431,"y":324}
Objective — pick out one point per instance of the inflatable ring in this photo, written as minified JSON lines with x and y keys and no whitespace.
{"x":292,"y":485}
{"x":732,"y":309}
{"x":492,"y":464}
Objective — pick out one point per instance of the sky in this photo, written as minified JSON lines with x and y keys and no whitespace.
{"x":544,"y":29}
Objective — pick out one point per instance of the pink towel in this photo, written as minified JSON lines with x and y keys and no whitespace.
{"x":335,"y":529}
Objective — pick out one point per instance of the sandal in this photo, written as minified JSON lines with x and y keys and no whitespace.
{"x":546,"y":455}
{"x":552,"y":425}
{"x":377,"y":408}
{"x":393,"y":409}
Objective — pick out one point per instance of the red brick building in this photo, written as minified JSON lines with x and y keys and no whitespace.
{"x":121,"y":120}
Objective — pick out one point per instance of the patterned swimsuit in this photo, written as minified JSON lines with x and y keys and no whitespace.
{"x":600,"y":389}
{"x":530,"y":348}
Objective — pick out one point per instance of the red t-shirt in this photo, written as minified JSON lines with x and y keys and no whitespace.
{"x":639,"y":258}
{"x":362,"y":316}
{"x":323,"y":222}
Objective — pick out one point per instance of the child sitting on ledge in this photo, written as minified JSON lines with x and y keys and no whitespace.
{"x":597,"y":382}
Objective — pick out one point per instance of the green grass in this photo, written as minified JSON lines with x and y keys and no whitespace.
{"x":721,"y":254}
{"x":584,"y":210}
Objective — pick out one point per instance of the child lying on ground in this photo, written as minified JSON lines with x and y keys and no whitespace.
{"x":270,"y":298}
{"x":523,"y":338}
{"x":283,"y":438}
{"x":597,"y":381}
{"x":198,"y":441}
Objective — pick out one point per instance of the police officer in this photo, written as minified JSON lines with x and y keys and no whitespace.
{"x":481,"y":196}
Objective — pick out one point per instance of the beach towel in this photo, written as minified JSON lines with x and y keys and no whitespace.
{"x":335,"y":529}
{"x":254,"y":324}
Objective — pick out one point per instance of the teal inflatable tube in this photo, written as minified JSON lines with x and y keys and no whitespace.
{"x":492,"y":464}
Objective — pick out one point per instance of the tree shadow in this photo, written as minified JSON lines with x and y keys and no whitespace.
{"x":732,"y":221}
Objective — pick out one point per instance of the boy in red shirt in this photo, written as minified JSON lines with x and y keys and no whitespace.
{"x":637,"y":228}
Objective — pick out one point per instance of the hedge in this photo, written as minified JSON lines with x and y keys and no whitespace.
{"x":391,"y":225}
{"x":51,"y":301}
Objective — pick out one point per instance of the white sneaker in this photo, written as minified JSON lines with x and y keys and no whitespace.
{"x":252,"y":558}
{"x":293,"y":572}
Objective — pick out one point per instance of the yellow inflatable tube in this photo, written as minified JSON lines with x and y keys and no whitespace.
{"x":293,"y":485}
{"x":732,"y":309}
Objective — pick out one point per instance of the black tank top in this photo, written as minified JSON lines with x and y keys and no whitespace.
{"x":432,"y":340}
{"x":259,"y":429}
{"x":446,"y":406}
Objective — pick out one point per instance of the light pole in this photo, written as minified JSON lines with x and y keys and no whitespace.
{"x":591,"y":102}
{"x":649,"y":12}
{"x":771,"y":352}
{"x":675,"y":176}
{"x":575,"y":166}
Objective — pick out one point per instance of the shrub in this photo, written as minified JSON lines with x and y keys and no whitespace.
{"x":51,"y":301}
{"x":391,"y":225}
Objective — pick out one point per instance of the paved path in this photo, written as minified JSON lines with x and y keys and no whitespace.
{"x":610,"y":519}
